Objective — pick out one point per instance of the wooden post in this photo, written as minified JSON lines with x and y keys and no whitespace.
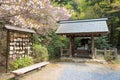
{"x":71,"y":46}
{"x":92,"y":47}
{"x":7,"y":53}
{"x":115,"y":51}
{"x":95,"y":53}
{"x":61,"y":51}
{"x":105,"y":51}
{"x":31,"y":40}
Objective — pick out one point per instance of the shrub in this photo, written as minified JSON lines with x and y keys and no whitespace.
{"x":109,"y":56}
{"x":40,"y":53}
{"x":102,"y":42}
{"x":22,"y":62}
{"x":52,"y":42}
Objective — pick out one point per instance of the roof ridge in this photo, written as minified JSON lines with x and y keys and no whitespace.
{"x":82,"y":20}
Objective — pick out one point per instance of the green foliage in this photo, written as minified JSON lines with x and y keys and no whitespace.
{"x":52,"y":41}
{"x":102,"y":42}
{"x":115,"y":61}
{"x":69,"y":4}
{"x":109,"y":57}
{"x":72,"y":5}
{"x":106,"y":8}
{"x":22,"y":62}
{"x":84,"y":9}
{"x":40,"y":53}
{"x":57,"y":41}
{"x":54,"y":44}
{"x":36,"y":39}
{"x":51,"y":51}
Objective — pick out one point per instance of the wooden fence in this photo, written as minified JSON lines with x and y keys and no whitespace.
{"x":105,"y":51}
{"x":64,"y":52}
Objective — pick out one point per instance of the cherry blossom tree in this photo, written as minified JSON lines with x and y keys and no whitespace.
{"x":38,"y":14}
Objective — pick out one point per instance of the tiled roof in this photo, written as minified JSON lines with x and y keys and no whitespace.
{"x":13,"y":28}
{"x":83,"y":26}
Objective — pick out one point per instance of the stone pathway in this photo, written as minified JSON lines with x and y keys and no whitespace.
{"x":75,"y":71}
{"x":89,"y":72}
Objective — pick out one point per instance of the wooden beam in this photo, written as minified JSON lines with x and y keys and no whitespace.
{"x":96,"y":34}
{"x":92,"y":45}
{"x":7,"y":53}
{"x":31,"y":40}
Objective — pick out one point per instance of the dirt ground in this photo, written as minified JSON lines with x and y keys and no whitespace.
{"x":50,"y":72}
{"x":75,"y":71}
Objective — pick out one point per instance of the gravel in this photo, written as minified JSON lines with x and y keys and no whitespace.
{"x":75,"y":71}
{"x":89,"y":72}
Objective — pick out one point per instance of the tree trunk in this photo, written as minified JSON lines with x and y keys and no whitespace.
{"x":118,"y":38}
{"x":111,"y":1}
{"x":111,"y":35}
